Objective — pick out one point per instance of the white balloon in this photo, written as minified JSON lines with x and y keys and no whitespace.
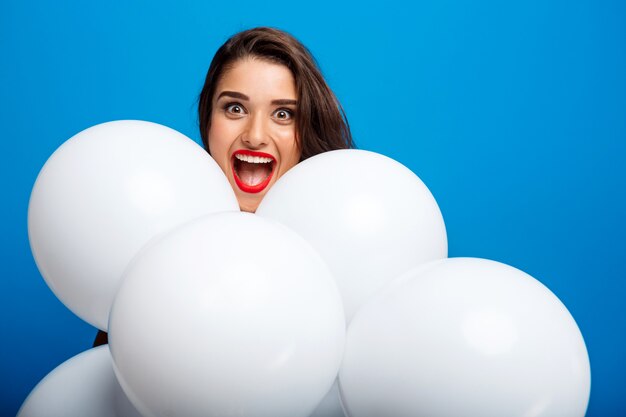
{"x":103,"y":194}
{"x":330,"y":406}
{"x":369,"y":217}
{"x":84,"y":385}
{"x":231,"y":314}
{"x":465,"y":337}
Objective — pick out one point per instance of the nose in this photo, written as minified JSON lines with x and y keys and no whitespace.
{"x":255,"y":135}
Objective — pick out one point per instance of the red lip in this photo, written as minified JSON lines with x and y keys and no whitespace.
{"x":252,"y":188}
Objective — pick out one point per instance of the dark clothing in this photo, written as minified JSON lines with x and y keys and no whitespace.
{"x":102,"y":338}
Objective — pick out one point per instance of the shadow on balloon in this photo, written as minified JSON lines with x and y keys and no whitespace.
{"x":84,"y":385}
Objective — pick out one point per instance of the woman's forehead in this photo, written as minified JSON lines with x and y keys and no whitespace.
{"x":259,"y":77}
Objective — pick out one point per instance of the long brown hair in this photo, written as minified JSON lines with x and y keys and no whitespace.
{"x":321,"y":123}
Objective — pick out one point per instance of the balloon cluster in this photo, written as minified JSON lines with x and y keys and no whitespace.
{"x":336,"y":297}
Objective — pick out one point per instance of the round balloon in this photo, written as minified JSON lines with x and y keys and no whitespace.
{"x":369,"y":217}
{"x":330,"y":406}
{"x":231,"y":314}
{"x":103,"y":194}
{"x":84,"y":385}
{"x":465,"y":337}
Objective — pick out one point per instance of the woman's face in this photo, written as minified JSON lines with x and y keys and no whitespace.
{"x":253,"y":128}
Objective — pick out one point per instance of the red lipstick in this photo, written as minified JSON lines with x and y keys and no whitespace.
{"x":250,"y":176}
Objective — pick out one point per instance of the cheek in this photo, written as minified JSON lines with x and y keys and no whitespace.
{"x":289,"y":150}
{"x":218,"y":143}
{"x":295,"y":155}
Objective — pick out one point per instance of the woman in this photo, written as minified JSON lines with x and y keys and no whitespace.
{"x":265,"y":107}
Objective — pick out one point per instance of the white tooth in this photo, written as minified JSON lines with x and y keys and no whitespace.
{"x":253,"y":159}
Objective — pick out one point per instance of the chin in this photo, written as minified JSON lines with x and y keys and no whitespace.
{"x":249,"y":206}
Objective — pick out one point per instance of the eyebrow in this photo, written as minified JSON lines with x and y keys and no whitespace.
{"x":241,"y":96}
{"x":233,"y":94}
{"x":284,"y":102}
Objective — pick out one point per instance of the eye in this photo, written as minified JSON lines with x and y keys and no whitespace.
{"x":234,"y":109}
{"x":283,"y":115}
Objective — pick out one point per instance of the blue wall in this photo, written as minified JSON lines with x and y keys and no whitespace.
{"x":513,"y":113}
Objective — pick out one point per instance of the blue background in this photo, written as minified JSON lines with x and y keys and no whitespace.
{"x":513,"y":113}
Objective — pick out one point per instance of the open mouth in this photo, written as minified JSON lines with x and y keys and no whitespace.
{"x":252,"y":170}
